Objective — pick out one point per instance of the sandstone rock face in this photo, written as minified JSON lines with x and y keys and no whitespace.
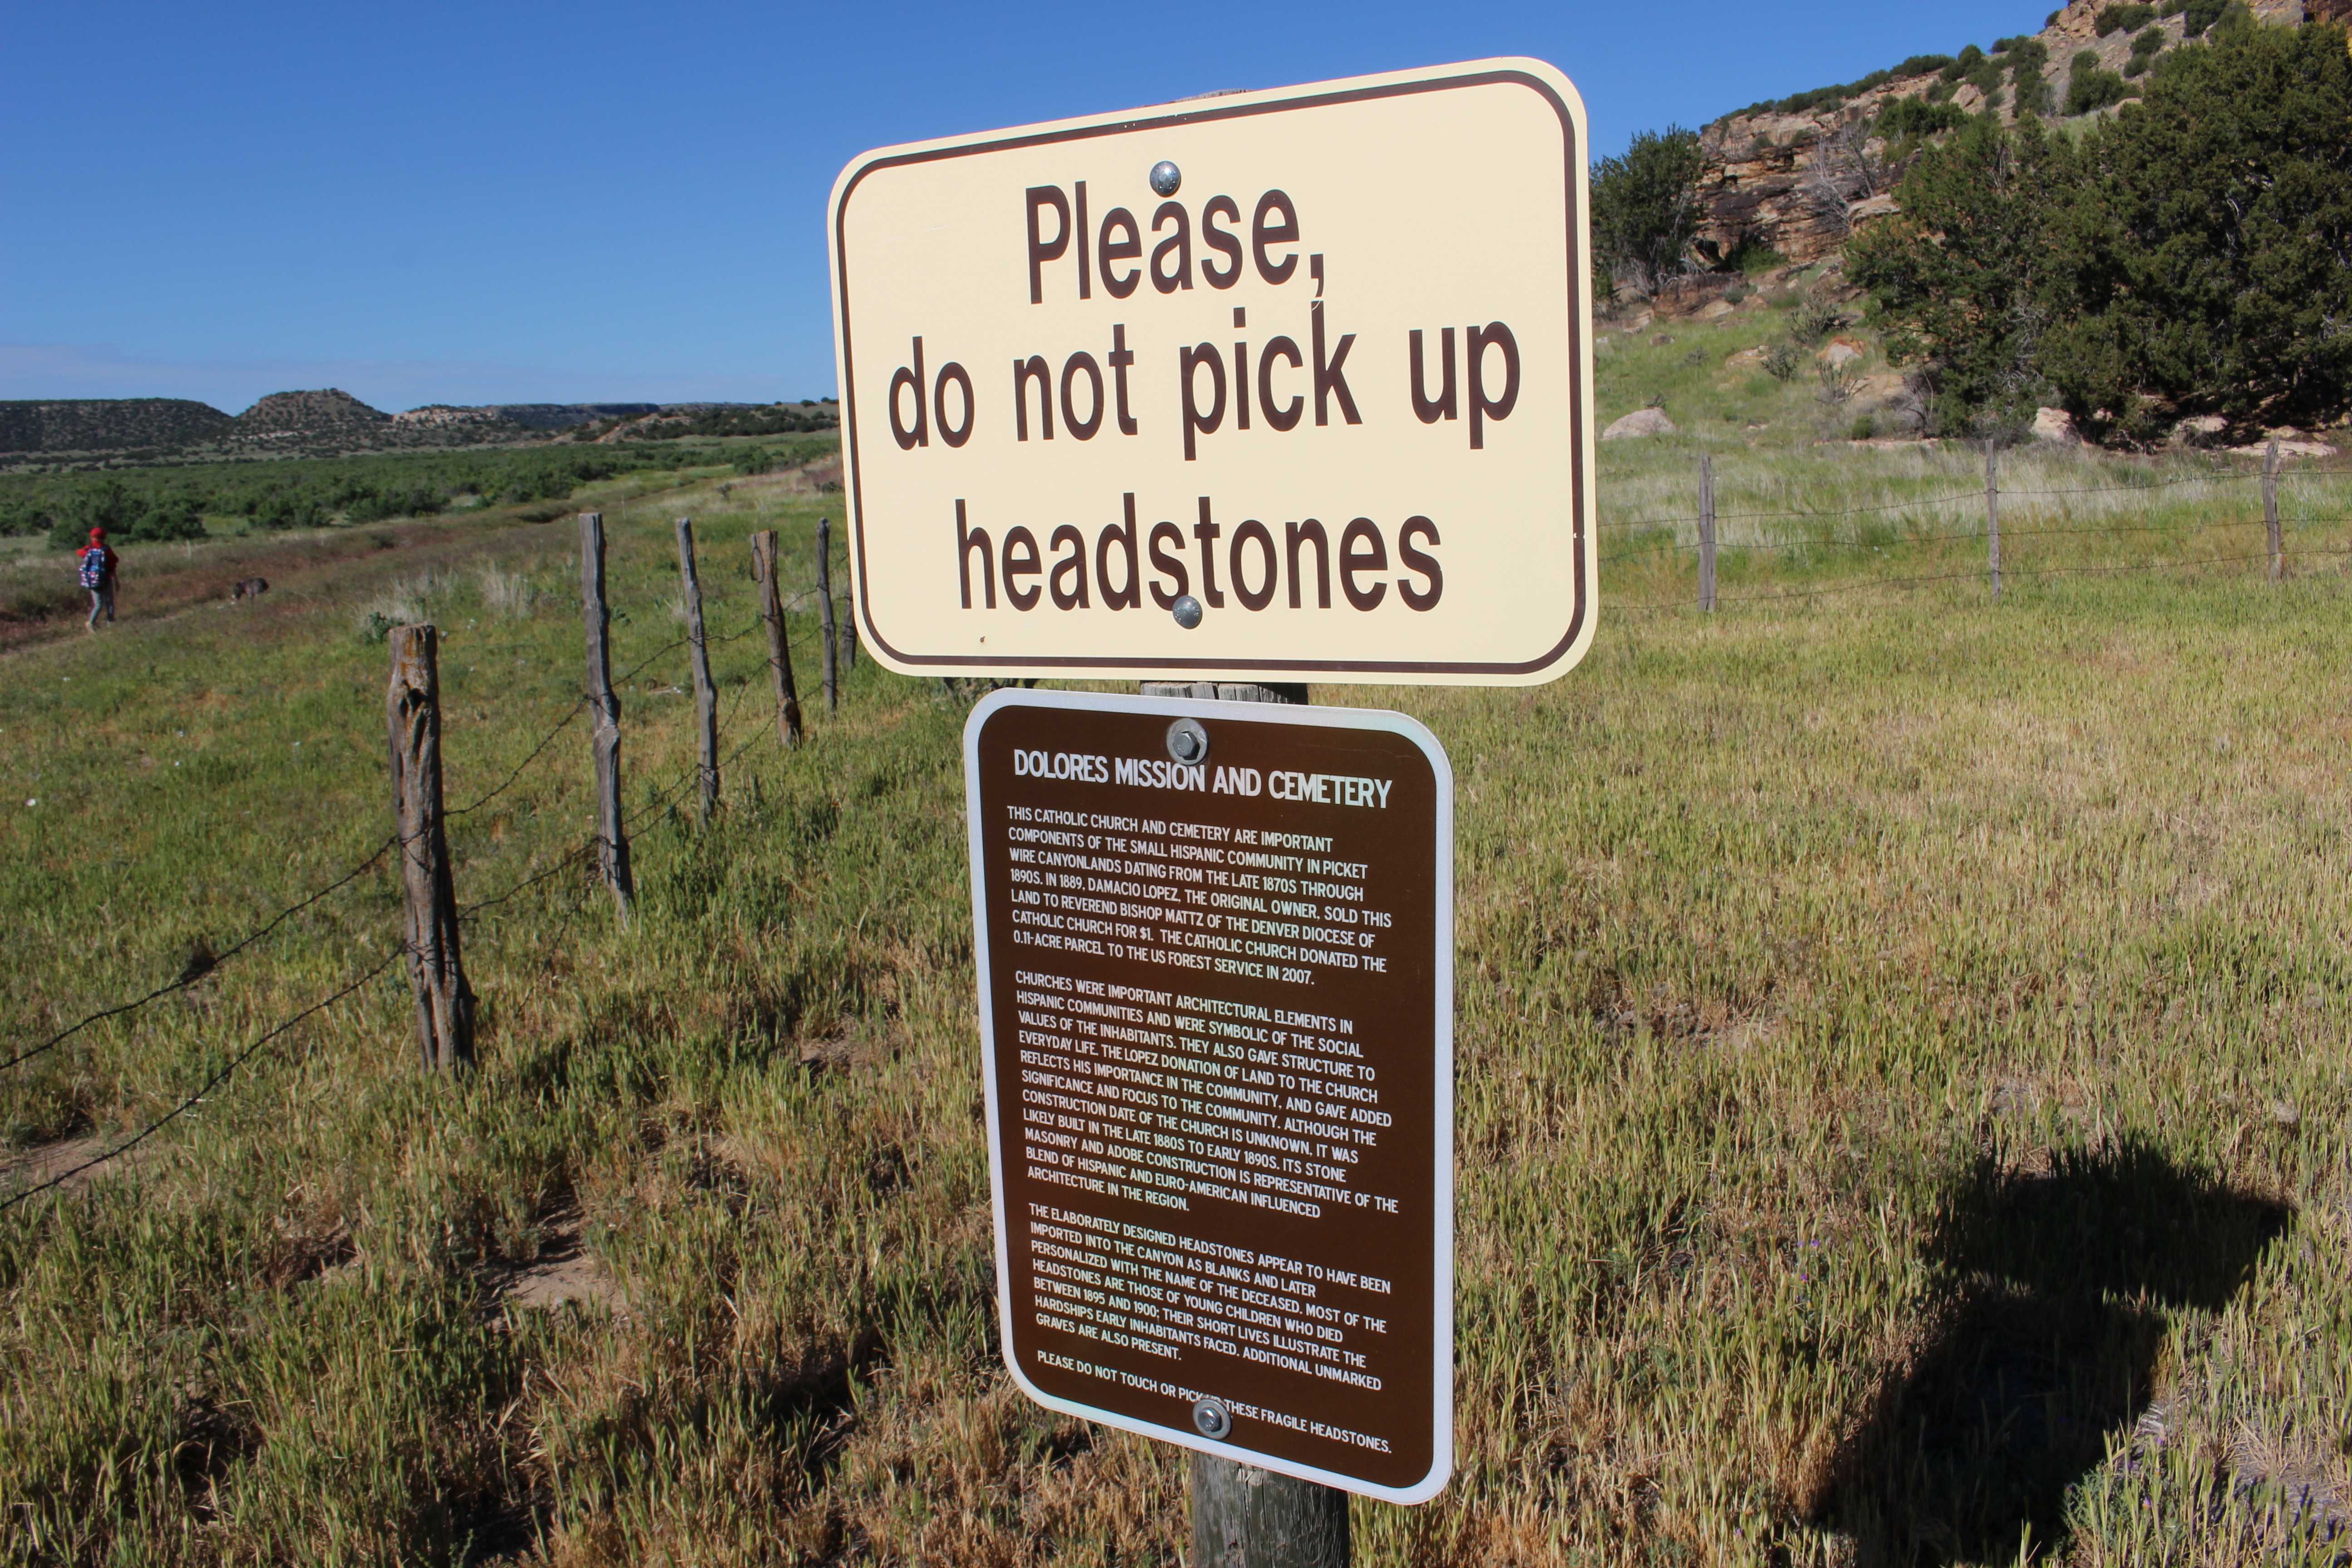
{"x":1642,"y":422}
{"x":1890,"y":398}
{"x":2286,"y":450}
{"x":1769,"y":179}
{"x":2055,"y":425}
{"x":1842,"y":351}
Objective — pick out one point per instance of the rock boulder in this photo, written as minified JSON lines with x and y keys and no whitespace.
{"x":1640,"y":422}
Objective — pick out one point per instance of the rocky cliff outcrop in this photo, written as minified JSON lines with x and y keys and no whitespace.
{"x":1799,"y":182}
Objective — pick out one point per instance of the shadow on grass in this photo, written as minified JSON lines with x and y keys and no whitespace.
{"x":2055,"y":1294}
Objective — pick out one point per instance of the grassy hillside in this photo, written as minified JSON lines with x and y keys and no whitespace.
{"x":1903,"y":1090}
{"x":98,"y":424}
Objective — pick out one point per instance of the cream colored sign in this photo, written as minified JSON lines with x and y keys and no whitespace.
{"x":1318,"y":359}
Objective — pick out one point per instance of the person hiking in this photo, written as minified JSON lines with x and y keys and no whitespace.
{"x":98,"y":562}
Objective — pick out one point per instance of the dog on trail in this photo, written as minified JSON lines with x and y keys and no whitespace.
{"x":251,"y":588}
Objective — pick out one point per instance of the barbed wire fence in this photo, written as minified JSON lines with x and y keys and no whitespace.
{"x":1704,"y":545}
{"x":206,"y":963}
{"x":1704,"y":522}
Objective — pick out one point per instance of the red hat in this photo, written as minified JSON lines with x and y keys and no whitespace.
{"x":98,"y":534}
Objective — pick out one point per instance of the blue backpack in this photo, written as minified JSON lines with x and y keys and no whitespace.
{"x":93,"y":568}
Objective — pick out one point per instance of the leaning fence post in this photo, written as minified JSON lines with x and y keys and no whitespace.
{"x":436,"y":969}
{"x":779,"y":648}
{"x":612,"y":837}
{"x":1706,"y":533}
{"x":2269,"y":509}
{"x":824,"y":612}
{"x":706,"y":700}
{"x":1992,"y":515}
{"x":845,"y":639}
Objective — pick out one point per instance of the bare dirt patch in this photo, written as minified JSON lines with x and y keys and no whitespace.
{"x":69,"y":1157}
{"x":563,"y":1272}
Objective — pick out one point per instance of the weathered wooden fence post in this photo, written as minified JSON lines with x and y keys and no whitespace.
{"x":2270,"y":510}
{"x":779,"y":648}
{"x":1243,"y":1517}
{"x":848,"y":614}
{"x":1706,"y":533}
{"x":1993,"y":514}
{"x":436,"y":969}
{"x":706,"y":699}
{"x":611,"y":837}
{"x":825,"y":613}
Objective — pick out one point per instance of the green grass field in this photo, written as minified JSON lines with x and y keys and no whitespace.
{"x":1902,"y":1067}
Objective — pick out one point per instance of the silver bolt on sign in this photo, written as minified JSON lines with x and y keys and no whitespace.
{"x":1187,"y":741}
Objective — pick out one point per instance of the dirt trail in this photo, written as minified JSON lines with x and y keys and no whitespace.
{"x":164,"y":583}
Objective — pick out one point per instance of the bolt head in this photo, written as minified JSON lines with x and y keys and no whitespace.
{"x":1187,"y":610}
{"x":1211,"y":1419}
{"x":1166,"y":177}
{"x":1188,"y":743}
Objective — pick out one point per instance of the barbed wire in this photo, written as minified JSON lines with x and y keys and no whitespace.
{"x":1976,"y":492}
{"x":196,"y":971}
{"x":2007,"y":534}
{"x":192,"y":1101}
{"x":567,"y":861}
{"x":1975,"y":575}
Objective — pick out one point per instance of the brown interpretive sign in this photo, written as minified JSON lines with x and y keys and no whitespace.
{"x":1273,"y":386}
{"x":1215,"y":952}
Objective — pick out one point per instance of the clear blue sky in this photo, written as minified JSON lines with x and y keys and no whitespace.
{"x":426,"y":203}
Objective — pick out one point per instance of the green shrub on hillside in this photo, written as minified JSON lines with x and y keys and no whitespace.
{"x":1645,"y":207}
{"x":2129,"y":18}
{"x":2144,"y":50}
{"x":2089,"y":87}
{"x":1814,"y":320}
{"x":2195,"y":16}
{"x":2186,"y":258}
{"x":1961,"y":281}
{"x":2026,"y":57}
{"x":1918,"y":117}
{"x":2208,"y":237}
